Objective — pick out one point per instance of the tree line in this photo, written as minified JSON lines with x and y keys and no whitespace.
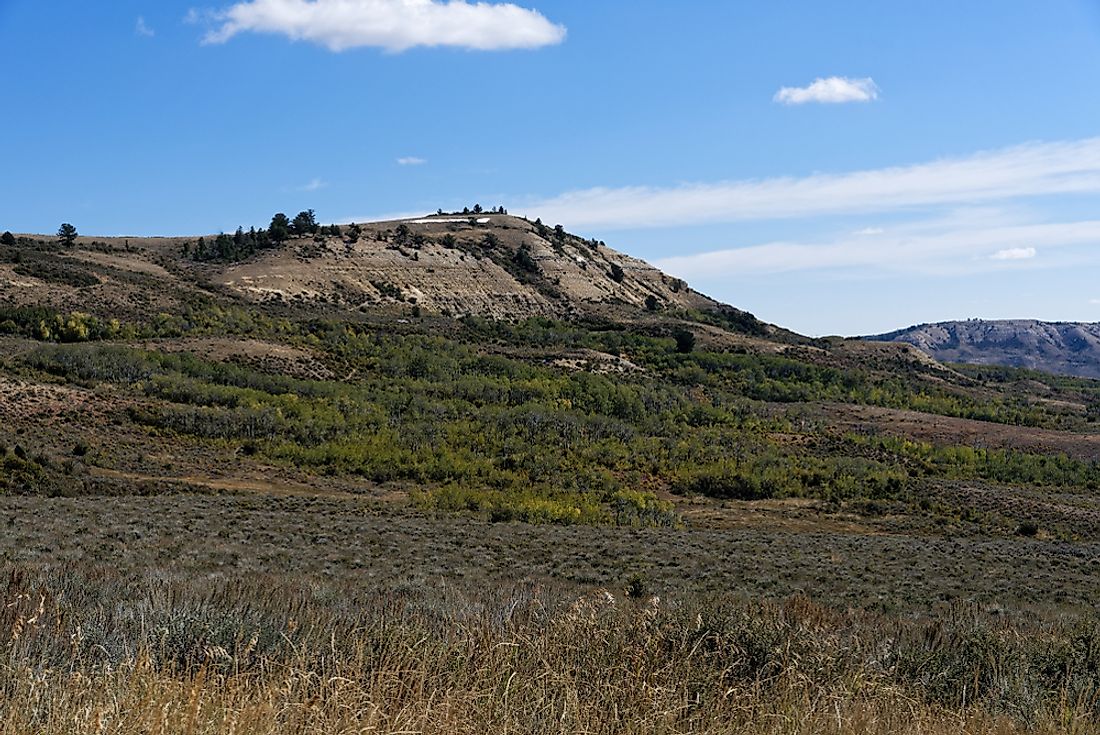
{"x":243,"y":244}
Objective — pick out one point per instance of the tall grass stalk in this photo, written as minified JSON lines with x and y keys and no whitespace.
{"x":90,"y":652}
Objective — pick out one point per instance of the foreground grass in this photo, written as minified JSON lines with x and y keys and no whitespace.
{"x":94,"y":653}
{"x":141,"y":701}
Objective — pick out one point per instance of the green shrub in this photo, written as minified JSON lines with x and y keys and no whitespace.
{"x":1029,"y":529}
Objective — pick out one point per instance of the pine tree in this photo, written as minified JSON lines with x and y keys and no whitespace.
{"x":67,"y":234}
{"x":279,"y":230}
{"x":305,"y":223}
{"x":685,"y":341}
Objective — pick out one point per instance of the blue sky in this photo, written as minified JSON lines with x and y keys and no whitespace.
{"x":847,"y":167}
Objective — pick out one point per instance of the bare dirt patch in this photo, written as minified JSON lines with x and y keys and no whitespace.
{"x":131,"y":263}
{"x":38,"y":402}
{"x":268,"y":357}
{"x":595,"y":362}
{"x":278,"y":488}
{"x":791,"y":515}
{"x":949,"y":430}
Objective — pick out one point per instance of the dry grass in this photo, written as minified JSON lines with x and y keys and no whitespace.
{"x":92,"y":653}
{"x":140,"y":700}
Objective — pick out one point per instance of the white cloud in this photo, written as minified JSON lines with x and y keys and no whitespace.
{"x":141,"y":29}
{"x":195,"y":16}
{"x":1034,"y":169}
{"x":1014,"y":254}
{"x":394,"y":25}
{"x":314,"y":185}
{"x":870,"y":231}
{"x":411,"y":161}
{"x":833,"y":90}
{"x":922,"y":247}
{"x":1094,"y":302}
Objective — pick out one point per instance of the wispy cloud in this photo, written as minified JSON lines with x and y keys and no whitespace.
{"x":142,"y":29}
{"x":1094,"y":302}
{"x":831,"y":90}
{"x":870,"y":231}
{"x":1034,"y":169}
{"x":1014,"y":254}
{"x":314,"y":185}
{"x":394,"y":25}
{"x":411,"y":161}
{"x":922,"y":247}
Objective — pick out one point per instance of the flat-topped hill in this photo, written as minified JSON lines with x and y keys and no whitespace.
{"x":1067,"y":348}
{"x":494,"y":266}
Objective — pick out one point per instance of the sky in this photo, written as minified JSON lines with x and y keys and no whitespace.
{"x":836,"y":168}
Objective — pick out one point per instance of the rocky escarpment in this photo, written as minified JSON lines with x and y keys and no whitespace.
{"x":495,"y":266}
{"x":1066,"y":348}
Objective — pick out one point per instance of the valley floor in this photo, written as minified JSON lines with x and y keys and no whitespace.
{"x":749,"y":551}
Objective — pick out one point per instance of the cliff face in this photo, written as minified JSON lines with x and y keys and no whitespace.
{"x":1055,"y":347}
{"x":495,"y":266}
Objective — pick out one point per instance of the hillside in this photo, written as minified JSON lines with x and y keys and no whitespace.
{"x":1062,"y":348}
{"x":488,"y":365}
{"x":495,"y":266}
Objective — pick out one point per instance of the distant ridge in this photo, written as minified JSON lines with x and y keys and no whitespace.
{"x":1063,"y":348}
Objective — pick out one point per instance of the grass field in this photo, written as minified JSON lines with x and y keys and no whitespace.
{"x":89,"y":652}
{"x":886,"y":565}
